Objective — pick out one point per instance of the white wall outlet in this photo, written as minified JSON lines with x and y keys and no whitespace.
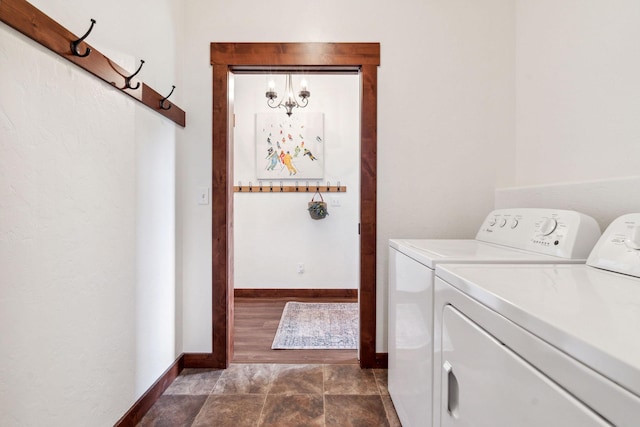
{"x":203,"y":195}
{"x":300,"y":268}
{"x":335,"y":202}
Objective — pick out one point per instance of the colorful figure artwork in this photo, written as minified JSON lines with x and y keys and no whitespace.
{"x":290,"y":147}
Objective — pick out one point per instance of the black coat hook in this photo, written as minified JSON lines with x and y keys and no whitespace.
{"x":162,"y":107}
{"x":74,"y":44}
{"x":127,"y":80}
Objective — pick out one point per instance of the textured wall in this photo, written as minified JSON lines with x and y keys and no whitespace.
{"x":87,"y":294}
{"x":578,"y":92}
{"x":577,"y":108}
{"x":67,"y":242}
{"x":604,"y":200}
{"x":445,"y":118}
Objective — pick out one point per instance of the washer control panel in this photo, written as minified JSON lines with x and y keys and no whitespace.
{"x":555,"y":232}
{"x":619,"y":247}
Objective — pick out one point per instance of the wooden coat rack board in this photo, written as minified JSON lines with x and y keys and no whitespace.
{"x":25,"y":18}
{"x":279,"y":188}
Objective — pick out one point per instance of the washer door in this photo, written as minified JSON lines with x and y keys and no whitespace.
{"x":484,"y":383}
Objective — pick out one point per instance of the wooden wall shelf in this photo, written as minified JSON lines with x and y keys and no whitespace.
{"x":289,"y":189}
{"x":30,"y":21}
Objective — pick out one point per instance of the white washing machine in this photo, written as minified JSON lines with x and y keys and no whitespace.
{"x":506,"y":236}
{"x":541,"y":345}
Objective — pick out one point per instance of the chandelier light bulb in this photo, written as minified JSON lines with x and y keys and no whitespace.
{"x":289,"y":101}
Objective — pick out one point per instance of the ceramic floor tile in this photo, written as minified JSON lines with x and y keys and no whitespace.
{"x":305,"y":410}
{"x":355,"y":411}
{"x":297,"y":379}
{"x":194,"y":382}
{"x":276,"y":395}
{"x":173,"y":411}
{"x":392,"y":416}
{"x":245,"y":379}
{"x":381,"y":380}
{"x":349,"y":379}
{"x":230,"y":410}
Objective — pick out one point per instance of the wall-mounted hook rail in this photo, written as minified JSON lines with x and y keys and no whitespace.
{"x":127,"y":80}
{"x":163,"y":100}
{"x":75,"y":43}
{"x":289,"y":188}
{"x":33,"y":23}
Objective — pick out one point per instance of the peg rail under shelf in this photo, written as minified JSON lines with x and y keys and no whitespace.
{"x":289,"y":188}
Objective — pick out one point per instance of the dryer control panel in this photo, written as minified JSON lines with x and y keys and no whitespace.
{"x":619,"y":247}
{"x":555,"y":232}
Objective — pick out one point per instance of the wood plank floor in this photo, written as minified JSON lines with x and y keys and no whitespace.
{"x":255,"y":323}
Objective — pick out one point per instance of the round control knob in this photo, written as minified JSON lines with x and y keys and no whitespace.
{"x":547,"y":226}
{"x":502,"y":222}
{"x":514,"y":223}
{"x":492,"y":222}
{"x":633,"y":241}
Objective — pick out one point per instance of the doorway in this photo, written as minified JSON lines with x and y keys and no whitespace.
{"x":280,"y":254}
{"x":310,"y":57}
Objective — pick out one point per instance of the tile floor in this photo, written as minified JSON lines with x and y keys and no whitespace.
{"x":276,"y":395}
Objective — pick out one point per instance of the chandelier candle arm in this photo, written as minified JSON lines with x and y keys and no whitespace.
{"x":289,"y":102}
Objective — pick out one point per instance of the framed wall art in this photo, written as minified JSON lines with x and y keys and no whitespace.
{"x":290,"y":147}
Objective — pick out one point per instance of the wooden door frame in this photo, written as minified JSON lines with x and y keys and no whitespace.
{"x":313,"y":56}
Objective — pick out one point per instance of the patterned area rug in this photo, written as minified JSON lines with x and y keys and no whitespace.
{"x":305,"y":325}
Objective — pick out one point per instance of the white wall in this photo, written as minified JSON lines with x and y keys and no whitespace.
{"x":273,"y":232}
{"x":577,"y":108}
{"x":445,"y":118}
{"x":604,"y":200}
{"x":578,"y":92}
{"x":87,"y":229}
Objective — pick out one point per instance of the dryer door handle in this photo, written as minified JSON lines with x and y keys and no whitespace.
{"x":452,"y":391}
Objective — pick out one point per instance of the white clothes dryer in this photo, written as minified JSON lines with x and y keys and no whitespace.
{"x":506,"y":236}
{"x":541,"y":345}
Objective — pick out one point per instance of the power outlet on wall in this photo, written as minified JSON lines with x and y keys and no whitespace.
{"x":300,"y":268}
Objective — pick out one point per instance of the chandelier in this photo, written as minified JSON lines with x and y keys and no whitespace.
{"x":289,"y":102}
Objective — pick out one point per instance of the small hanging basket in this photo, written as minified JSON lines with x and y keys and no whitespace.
{"x":318,"y":209}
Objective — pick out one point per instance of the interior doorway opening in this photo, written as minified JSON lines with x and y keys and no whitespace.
{"x":313,"y":56}
{"x":280,"y":253}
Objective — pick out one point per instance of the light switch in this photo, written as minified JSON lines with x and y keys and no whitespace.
{"x":203,"y":195}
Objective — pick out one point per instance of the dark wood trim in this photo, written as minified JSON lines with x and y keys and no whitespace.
{"x":202,"y":360}
{"x":297,"y":293}
{"x":224,"y":57}
{"x":146,"y":401}
{"x":222,"y":220}
{"x":382,"y":360}
{"x":296,"y":54}
{"x":33,"y":23}
{"x":251,"y":189}
{"x":368,"y":189}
